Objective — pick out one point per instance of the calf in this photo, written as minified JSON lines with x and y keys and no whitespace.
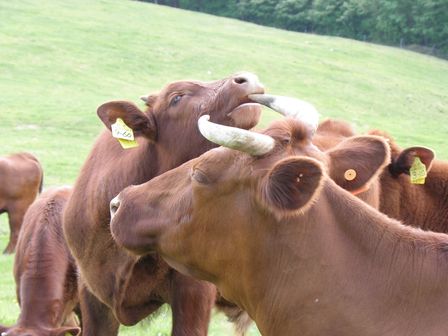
{"x":44,"y":271}
{"x":284,"y":242}
{"x":116,"y":285}
{"x":21,"y":179}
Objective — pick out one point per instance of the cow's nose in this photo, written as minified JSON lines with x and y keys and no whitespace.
{"x":114,"y":205}
{"x":250,"y":82}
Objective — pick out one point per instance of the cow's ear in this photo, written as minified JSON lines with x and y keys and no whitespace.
{"x":403,"y":162}
{"x":292,"y":184}
{"x":356,"y":161}
{"x":142,"y":124}
{"x":63,"y":331}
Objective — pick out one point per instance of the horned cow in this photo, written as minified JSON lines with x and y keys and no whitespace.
{"x":283,"y":241}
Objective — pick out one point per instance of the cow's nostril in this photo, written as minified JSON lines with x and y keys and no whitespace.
{"x":114,"y":205}
{"x":240,"y":80}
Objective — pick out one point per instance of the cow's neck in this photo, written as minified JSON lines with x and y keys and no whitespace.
{"x":380,"y":275}
{"x":425,"y":206}
{"x":352,"y":272}
{"x":172,"y":153}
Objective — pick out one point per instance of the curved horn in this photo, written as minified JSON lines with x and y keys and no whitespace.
{"x":290,"y":107}
{"x":236,"y":138}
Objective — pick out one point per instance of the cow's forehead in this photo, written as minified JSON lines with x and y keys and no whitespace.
{"x":220,"y":155}
{"x":292,"y":137}
{"x":187,"y":85}
{"x":290,"y":129}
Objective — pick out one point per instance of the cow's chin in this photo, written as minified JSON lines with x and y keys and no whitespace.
{"x":135,"y":243}
{"x":245,"y":116}
{"x":188,"y":270}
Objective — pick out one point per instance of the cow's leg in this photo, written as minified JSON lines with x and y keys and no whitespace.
{"x":191,"y":302}
{"x":96,"y":318}
{"x":15,"y":215}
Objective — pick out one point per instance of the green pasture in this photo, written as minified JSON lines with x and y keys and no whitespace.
{"x":59,"y":60}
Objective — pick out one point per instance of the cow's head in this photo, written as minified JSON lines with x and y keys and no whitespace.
{"x":198,"y":214}
{"x":171,"y":115}
{"x":402,"y":159}
{"x":39,"y":331}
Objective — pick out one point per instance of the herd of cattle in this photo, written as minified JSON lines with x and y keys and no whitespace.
{"x":291,"y":226}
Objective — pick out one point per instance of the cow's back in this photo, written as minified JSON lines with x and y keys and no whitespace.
{"x":44,"y":269}
{"x":21,"y":176}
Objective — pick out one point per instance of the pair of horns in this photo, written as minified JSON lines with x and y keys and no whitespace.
{"x":257,"y":144}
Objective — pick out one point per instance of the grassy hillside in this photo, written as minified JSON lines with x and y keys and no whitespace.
{"x":59,"y":60}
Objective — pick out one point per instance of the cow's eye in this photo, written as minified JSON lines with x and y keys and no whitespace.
{"x":176,"y":99}
{"x":199,"y":176}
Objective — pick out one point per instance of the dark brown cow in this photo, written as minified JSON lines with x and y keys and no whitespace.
{"x":130,"y":288}
{"x":422,"y":205}
{"x":21,"y":179}
{"x":284,"y":242}
{"x":44,"y":271}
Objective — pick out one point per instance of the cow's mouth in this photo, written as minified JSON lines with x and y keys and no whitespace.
{"x":246,"y":115}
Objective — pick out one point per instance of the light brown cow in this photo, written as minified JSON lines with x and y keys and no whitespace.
{"x":125,"y":287}
{"x":283,"y":241}
{"x":44,"y":271}
{"x":21,"y":179}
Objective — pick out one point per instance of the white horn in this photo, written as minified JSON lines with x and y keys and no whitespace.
{"x":290,"y":107}
{"x":236,"y":138}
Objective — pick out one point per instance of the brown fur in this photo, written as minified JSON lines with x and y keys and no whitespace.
{"x":22,"y":177}
{"x":329,"y":266}
{"x":332,"y":131}
{"x":130,"y":288}
{"x":44,"y":271}
{"x":424,"y":206}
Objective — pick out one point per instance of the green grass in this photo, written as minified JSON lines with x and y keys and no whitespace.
{"x":59,"y":60}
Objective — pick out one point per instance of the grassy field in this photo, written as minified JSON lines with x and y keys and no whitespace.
{"x":59,"y":60}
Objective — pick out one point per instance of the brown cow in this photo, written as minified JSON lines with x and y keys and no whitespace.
{"x":21,"y":179}
{"x":284,"y":242}
{"x":44,"y":271}
{"x":130,"y":288}
{"x":422,"y":205}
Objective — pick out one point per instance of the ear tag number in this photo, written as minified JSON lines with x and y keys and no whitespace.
{"x":418,"y":171}
{"x":124,"y":134}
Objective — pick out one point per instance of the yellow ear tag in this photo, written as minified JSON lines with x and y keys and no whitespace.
{"x":350,"y":174}
{"x":124,"y":134}
{"x":417,"y":171}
